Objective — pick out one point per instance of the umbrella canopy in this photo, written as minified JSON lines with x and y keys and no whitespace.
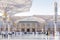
{"x":15,"y":6}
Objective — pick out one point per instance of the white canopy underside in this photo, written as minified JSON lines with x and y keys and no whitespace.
{"x":15,"y":6}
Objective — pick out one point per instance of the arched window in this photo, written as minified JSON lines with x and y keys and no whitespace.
{"x":33,"y":29}
{"x":28,"y":30}
{"x":22,"y":30}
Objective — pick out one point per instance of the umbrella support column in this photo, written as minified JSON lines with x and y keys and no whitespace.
{"x":6,"y":23}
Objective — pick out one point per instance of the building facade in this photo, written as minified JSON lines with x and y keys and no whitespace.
{"x":30,"y":24}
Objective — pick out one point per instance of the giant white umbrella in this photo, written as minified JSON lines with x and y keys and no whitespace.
{"x":14,"y":6}
{"x":10,"y":7}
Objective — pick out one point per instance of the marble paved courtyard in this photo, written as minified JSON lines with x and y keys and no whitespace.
{"x":30,"y":37}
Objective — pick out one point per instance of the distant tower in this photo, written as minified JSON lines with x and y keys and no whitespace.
{"x":55,"y":5}
{"x":55,"y":25}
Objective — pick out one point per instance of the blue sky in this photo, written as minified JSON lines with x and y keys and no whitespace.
{"x":41,"y":7}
